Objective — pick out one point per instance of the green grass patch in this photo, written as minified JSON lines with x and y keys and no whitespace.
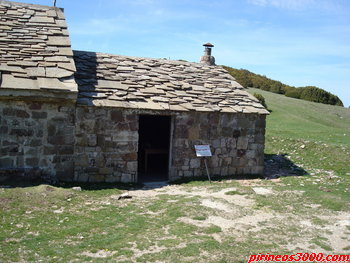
{"x":234,"y":193}
{"x":319,"y":221}
{"x":200,"y":218}
{"x":321,"y":242}
{"x":213,"y":229}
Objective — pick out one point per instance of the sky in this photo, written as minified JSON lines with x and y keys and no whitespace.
{"x":298,"y":42}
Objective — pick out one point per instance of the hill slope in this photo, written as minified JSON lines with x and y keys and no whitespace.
{"x":314,"y":135}
{"x":309,"y":93}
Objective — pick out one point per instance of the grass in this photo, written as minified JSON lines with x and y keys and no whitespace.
{"x":319,"y":241}
{"x":298,"y":119}
{"x":58,"y":224}
{"x":314,"y":134}
{"x":234,"y":192}
{"x":199,"y":218}
{"x":315,"y":137}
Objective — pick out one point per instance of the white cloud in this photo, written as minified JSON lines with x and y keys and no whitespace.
{"x":298,"y":4}
{"x":288,"y":4}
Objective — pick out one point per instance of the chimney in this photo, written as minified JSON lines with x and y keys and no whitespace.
{"x":208,"y":59}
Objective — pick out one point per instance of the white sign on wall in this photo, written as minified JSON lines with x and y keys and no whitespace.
{"x":202,"y":150}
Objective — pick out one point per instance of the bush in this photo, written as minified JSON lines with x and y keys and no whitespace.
{"x":261,"y":99}
{"x":293,"y":92}
{"x":310,"y":93}
{"x":277,"y":87}
{"x":315,"y":94}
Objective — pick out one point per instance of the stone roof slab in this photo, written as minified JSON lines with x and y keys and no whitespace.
{"x":160,"y":84}
{"x":35,"y":48}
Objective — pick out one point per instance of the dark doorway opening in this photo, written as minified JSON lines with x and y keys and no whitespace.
{"x":153,"y":152}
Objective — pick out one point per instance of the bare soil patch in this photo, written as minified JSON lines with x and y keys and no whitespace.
{"x":238,"y":214}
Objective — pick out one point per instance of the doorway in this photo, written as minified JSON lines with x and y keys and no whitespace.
{"x":154,"y":144}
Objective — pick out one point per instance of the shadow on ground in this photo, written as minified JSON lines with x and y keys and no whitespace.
{"x":276,"y":165}
{"x":23,"y":182}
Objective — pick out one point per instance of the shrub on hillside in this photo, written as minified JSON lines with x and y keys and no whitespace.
{"x":315,"y":94}
{"x":277,"y":87}
{"x":251,"y":80}
{"x":261,"y":99}
{"x":293,"y":92}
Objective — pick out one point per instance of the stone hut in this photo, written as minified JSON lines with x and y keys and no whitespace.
{"x":92,"y":117}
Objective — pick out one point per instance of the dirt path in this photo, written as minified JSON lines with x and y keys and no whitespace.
{"x":314,"y":231}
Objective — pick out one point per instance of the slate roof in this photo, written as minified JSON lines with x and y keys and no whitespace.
{"x":36,"y":58}
{"x":159,"y":84}
{"x":35,"y":50}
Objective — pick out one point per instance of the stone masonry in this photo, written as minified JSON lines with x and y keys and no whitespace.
{"x":106,"y":145}
{"x":96,"y":144}
{"x":37,"y":139}
{"x":236,"y":141}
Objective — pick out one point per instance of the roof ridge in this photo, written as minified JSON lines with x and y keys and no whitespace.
{"x":29,"y":4}
{"x":170,"y":61}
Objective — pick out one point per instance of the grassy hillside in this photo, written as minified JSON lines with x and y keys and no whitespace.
{"x":314,"y":134}
{"x":217,"y":222}
{"x":302,"y":119}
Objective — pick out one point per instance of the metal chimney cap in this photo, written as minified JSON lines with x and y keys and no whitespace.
{"x":208,"y":45}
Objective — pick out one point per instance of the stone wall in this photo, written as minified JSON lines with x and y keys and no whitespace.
{"x":37,"y":139}
{"x":96,"y":144}
{"x":236,"y":140}
{"x":106,"y":145}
